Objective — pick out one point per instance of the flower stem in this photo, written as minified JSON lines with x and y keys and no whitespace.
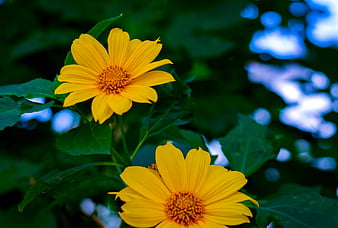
{"x":83,"y":116}
{"x":57,"y":106}
{"x":115,"y":157}
{"x":123,"y":135}
{"x":146,"y":134}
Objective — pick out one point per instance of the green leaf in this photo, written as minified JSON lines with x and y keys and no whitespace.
{"x":39,"y":217}
{"x":9,"y":112}
{"x":91,"y":138}
{"x":102,"y":25}
{"x":33,"y":89}
{"x":15,"y":173}
{"x":193,"y":139}
{"x":27,"y":106}
{"x":173,"y":108}
{"x":40,"y":40}
{"x":33,"y":192}
{"x":298,"y":209}
{"x":206,"y":42}
{"x":95,"y":32}
{"x":60,"y":183}
{"x":247,"y":146}
{"x":186,"y":138}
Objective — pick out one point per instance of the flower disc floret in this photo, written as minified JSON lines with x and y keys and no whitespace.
{"x":183,"y":192}
{"x":184,"y":208}
{"x":114,"y":78}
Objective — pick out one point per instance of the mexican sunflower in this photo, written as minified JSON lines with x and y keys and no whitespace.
{"x":115,"y":77}
{"x":181,"y":192}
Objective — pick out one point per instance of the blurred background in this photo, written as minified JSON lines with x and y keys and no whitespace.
{"x":276,"y":61}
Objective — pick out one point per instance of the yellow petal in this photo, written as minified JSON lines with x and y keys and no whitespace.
{"x":83,"y":79}
{"x":77,"y":68}
{"x":221,"y":183}
{"x":77,"y":74}
{"x":229,"y":209}
{"x":143,"y":213}
{"x":88,"y":52}
{"x":100,"y":109}
{"x":231,"y":221}
{"x":145,"y":183}
{"x":171,"y":166}
{"x":144,"y":54}
{"x":200,"y":224}
{"x":140,"y":204}
{"x":198,"y":163}
{"x":153,"y":78}
{"x":118,"y":42}
{"x":228,"y":214}
{"x":79,"y":96}
{"x":210,"y":224}
{"x":128,"y":194}
{"x":168,"y":224}
{"x":140,"y":94}
{"x":150,"y":66}
{"x":132,"y":46}
{"x":240,"y":197}
{"x":70,"y":87}
{"x":118,"y":103}
{"x":197,"y":225}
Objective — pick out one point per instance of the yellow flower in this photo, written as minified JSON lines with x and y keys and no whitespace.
{"x":183,"y":192}
{"x":116,"y":77}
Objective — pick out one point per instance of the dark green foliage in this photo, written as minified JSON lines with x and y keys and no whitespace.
{"x":172,"y":109}
{"x":95,"y":32}
{"x":91,"y":138}
{"x":45,"y":175}
{"x":36,"y":88}
{"x":303,"y":208}
{"x":247,"y":146}
{"x":16,"y":173}
{"x":70,"y":185}
{"x":10,"y":110}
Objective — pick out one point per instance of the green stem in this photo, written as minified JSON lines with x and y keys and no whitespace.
{"x":115,"y":157}
{"x":57,"y":106}
{"x":124,"y":141}
{"x":145,"y":136}
{"x":83,"y":116}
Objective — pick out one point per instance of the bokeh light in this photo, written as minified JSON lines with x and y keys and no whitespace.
{"x":272,"y":174}
{"x":298,"y":9}
{"x":279,"y":42}
{"x":320,"y":80}
{"x":283,"y":155}
{"x":270,"y":19}
{"x":65,"y":120}
{"x":302,"y":145}
{"x":42,"y":116}
{"x":305,"y":108}
{"x":250,"y":12}
{"x":261,"y":116}
{"x":87,"y":206}
{"x":334,"y":90}
{"x":325,"y":163}
{"x":322,"y":22}
{"x":215,"y":149}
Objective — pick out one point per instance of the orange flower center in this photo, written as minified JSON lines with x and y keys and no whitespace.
{"x":113,"y":80}
{"x":153,"y":167}
{"x":184,"y":208}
